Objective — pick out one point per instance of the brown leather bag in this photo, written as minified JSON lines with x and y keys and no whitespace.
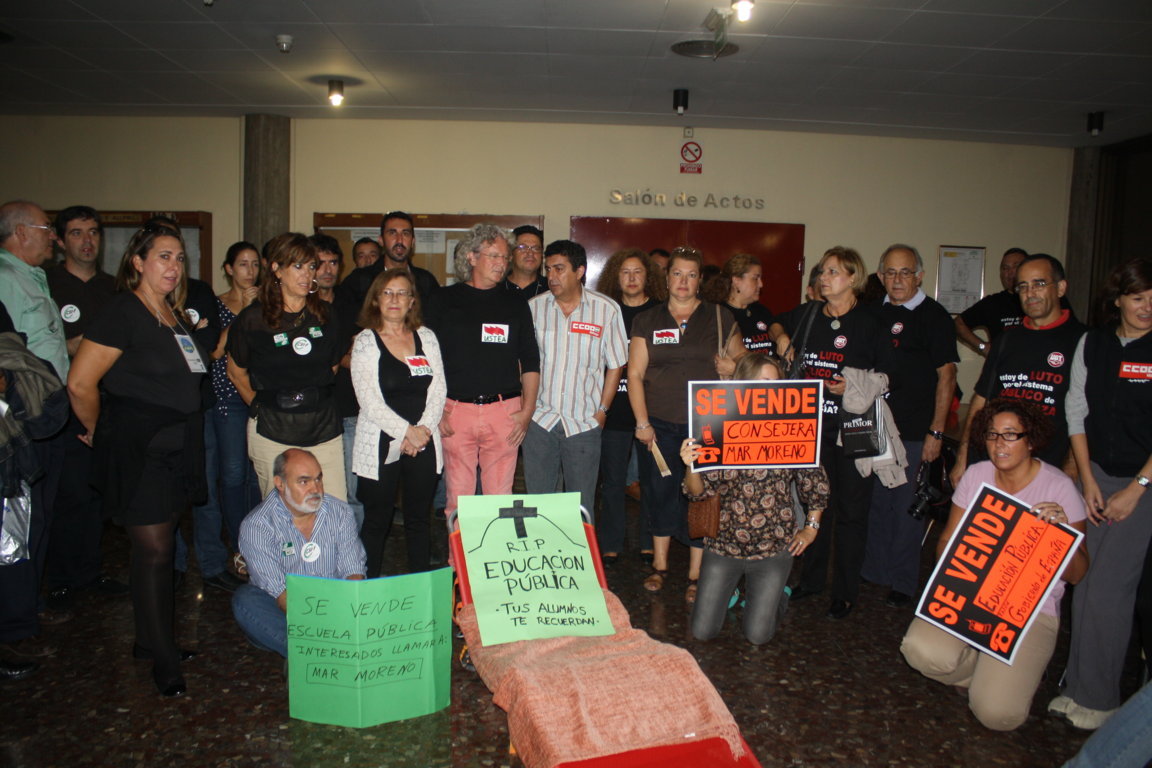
{"x":704,"y":518}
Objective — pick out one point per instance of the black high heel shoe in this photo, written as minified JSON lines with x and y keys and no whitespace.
{"x":145,"y":654}
{"x":170,"y":687}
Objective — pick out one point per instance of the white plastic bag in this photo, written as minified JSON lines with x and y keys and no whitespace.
{"x":14,"y":531}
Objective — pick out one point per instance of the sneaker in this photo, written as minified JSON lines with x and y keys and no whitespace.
{"x":1088,"y":719}
{"x":1060,"y":705}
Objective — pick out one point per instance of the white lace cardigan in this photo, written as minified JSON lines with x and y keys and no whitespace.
{"x":375,"y":415}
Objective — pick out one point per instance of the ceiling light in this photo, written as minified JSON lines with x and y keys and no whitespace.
{"x":336,"y":92}
{"x":284,"y":43}
{"x":1095,"y":123}
{"x":743,"y":9}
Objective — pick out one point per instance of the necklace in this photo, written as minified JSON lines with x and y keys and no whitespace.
{"x":836,"y":318}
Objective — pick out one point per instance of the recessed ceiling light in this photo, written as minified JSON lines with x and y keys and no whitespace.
{"x":703,"y":49}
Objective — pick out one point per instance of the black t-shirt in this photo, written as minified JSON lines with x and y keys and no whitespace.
{"x":79,"y":300}
{"x":353,"y":289}
{"x":532,"y":290}
{"x":1034,"y":364}
{"x":829,"y":350}
{"x":151,"y":367}
{"x":995,"y":313}
{"x":912,"y":345}
{"x":754,"y":320}
{"x":298,"y":354}
{"x":620,"y":416}
{"x":486,"y":339}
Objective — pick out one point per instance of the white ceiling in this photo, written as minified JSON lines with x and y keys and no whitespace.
{"x":1020,"y":71}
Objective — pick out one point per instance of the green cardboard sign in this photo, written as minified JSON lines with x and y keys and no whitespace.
{"x":361,"y":653}
{"x":530,"y":568}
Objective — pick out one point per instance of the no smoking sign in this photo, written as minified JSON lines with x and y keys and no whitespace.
{"x":690,"y":154}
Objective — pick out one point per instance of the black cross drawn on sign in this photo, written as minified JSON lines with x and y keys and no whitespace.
{"x":518,"y":512}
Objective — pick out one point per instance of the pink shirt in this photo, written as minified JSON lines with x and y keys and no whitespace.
{"x":1050,"y":484}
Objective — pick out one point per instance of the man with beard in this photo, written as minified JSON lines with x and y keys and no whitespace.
{"x":296,"y":529}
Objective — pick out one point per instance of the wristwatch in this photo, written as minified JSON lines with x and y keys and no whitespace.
{"x":1142,"y":481}
{"x":936,"y":434}
{"x":813,"y":524}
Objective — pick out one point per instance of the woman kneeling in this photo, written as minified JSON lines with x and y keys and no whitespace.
{"x":998,"y":694}
{"x":757,"y":538}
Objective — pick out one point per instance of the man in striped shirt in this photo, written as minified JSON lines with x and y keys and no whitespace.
{"x":296,"y":529}
{"x":583,"y":349}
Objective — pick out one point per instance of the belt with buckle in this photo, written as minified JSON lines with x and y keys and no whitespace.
{"x":485,"y":399}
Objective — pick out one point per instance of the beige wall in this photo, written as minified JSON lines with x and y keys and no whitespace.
{"x":111,"y":163}
{"x":863,"y":192}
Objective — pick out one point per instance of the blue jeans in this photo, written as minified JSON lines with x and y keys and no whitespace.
{"x":232,"y":488}
{"x":660,"y":497}
{"x":548,"y":453}
{"x":349,"y":475}
{"x":1124,"y":741}
{"x":617,"y":457}
{"x":261,"y":619}
{"x":764,"y":600}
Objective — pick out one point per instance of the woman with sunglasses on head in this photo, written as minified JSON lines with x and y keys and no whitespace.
{"x":758,"y":536}
{"x":399,"y":380}
{"x":1000,"y":694}
{"x":283,"y":350}
{"x":671,"y":344}
{"x":1109,"y":409}
{"x":147,"y":431}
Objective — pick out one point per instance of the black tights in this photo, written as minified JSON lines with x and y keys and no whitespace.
{"x":152,"y":598}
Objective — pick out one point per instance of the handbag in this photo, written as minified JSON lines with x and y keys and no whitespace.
{"x":862,"y":435}
{"x":704,"y":518}
{"x":804,"y":329}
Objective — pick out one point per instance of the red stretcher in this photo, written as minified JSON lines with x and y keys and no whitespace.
{"x":602,"y":702}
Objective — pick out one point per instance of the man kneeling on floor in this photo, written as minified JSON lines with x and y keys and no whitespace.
{"x":296,"y":529}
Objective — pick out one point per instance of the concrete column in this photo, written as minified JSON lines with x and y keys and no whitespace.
{"x":267,"y":176}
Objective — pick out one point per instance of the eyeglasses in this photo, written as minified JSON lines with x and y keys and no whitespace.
{"x":1035,"y":285}
{"x":391,"y":294}
{"x":1008,"y":437}
{"x":530,"y":248}
{"x":903,"y":273}
{"x":51,"y":230}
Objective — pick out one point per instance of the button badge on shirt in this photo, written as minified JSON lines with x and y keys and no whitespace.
{"x":301,"y":346}
{"x":310,"y":552}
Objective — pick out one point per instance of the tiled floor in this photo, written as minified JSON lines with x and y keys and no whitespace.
{"x":822,"y":693}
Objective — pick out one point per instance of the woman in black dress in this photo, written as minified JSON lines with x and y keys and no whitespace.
{"x":148,"y":435}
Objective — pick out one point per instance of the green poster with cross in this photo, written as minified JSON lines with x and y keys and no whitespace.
{"x":530,"y":568}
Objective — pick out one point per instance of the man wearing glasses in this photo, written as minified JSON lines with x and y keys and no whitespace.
{"x":917,"y":349}
{"x":527,"y":255}
{"x":1033,"y":360}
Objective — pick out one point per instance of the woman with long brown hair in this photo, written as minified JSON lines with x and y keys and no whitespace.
{"x":282,"y":355}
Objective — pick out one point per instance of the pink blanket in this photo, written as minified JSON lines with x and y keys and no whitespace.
{"x":575,"y":698}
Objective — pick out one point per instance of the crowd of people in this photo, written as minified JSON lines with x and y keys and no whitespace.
{"x":296,"y":411}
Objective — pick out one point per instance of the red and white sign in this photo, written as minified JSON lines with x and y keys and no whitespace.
{"x":690,"y":153}
{"x":666,"y":336}
{"x":1136,"y":371}
{"x":840,"y":342}
{"x":1056,"y":359}
{"x":897,"y":328}
{"x":589,"y":328}
{"x":493,"y":333}
{"x":418,"y":365}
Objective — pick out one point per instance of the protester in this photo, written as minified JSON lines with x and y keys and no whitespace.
{"x":1109,"y":411}
{"x":738,"y":287}
{"x":758,"y":535}
{"x":147,"y":430}
{"x":672,"y":344}
{"x":399,"y":380}
{"x":282,"y":356}
{"x":1000,"y":694}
